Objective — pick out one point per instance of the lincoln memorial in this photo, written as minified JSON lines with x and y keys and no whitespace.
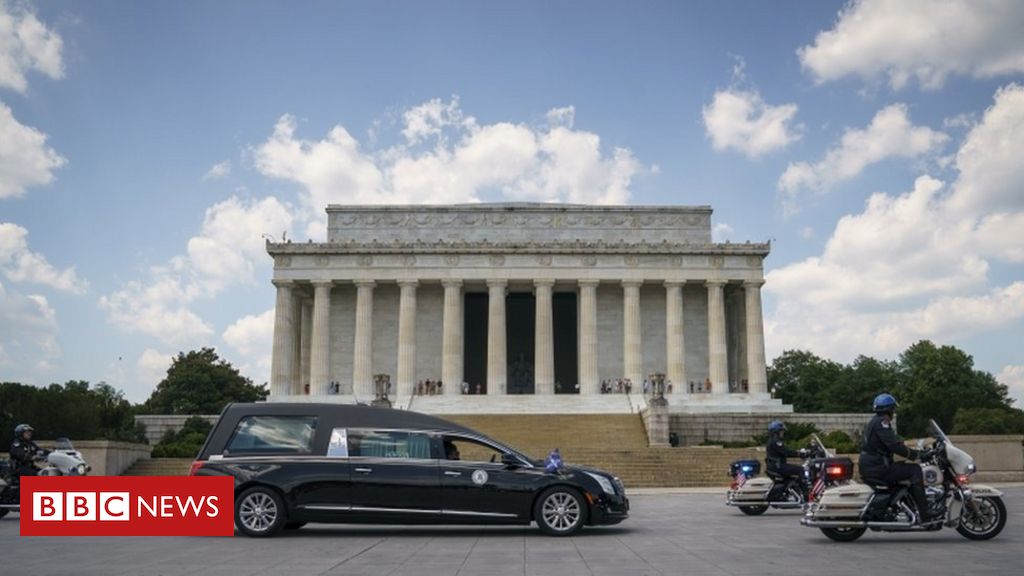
{"x":528,"y":305}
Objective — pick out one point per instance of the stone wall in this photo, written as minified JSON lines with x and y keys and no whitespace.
{"x":158,"y":424}
{"x":694,"y":429}
{"x":105,"y":457}
{"x":999,"y":458}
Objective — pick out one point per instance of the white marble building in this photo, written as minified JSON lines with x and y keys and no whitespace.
{"x":538,"y":300}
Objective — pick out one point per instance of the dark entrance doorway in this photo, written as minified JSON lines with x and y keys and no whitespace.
{"x":474,"y":344}
{"x":520,"y":320}
{"x":566,"y":348}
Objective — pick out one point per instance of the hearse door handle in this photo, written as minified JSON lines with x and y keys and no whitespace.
{"x":364,"y":470}
{"x":452,"y":473}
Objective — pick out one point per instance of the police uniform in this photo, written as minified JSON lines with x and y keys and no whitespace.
{"x":878,"y":445}
{"x":22,"y":452}
{"x":776,"y":458}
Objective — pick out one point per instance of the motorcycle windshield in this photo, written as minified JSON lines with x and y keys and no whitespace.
{"x":816,"y":442}
{"x":960,"y":461}
{"x":62,"y":444}
{"x":937,"y":432}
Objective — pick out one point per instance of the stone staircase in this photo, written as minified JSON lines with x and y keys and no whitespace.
{"x":613,"y":442}
{"x":159,"y":467}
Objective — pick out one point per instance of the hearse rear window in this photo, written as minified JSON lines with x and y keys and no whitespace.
{"x":273,"y":435}
{"x":388,"y":444}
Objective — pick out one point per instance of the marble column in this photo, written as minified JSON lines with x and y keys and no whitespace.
{"x":632,"y":345}
{"x":307,"y":348}
{"x":320,"y":340}
{"x":543,"y":340}
{"x":295,"y":386}
{"x":497,"y":365}
{"x":362,"y":363}
{"x":717,"y":362}
{"x":451,"y":338}
{"x":283,"y":359}
{"x":588,"y":338}
{"x":407,"y":338}
{"x":757,"y":377}
{"x":675,"y":343}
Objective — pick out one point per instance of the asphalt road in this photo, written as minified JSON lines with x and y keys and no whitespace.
{"x":676,"y":533}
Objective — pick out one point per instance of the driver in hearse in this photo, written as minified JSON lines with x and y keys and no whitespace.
{"x":776,"y":453}
{"x":879,"y":444}
{"x":451,"y":451}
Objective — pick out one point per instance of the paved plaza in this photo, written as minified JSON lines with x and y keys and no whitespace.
{"x":669,"y":533}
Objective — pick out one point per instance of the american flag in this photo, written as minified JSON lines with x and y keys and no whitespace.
{"x":817,"y":489}
{"x":741,"y":478}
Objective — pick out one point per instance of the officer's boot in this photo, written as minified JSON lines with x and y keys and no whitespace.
{"x":923,"y":509}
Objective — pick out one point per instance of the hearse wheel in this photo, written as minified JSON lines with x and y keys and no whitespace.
{"x":560,"y":511}
{"x":259,"y":512}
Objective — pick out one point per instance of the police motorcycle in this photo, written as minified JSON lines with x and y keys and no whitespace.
{"x":63,"y":460}
{"x":753,"y":495}
{"x":844,"y":513}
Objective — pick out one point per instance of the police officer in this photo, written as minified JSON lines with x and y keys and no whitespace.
{"x":879,"y":443}
{"x":24,"y":451}
{"x":777,"y":453}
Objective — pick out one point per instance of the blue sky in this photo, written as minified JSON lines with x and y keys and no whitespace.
{"x":145,"y":148}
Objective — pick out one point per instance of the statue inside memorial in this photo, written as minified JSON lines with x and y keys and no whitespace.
{"x":520,"y":376}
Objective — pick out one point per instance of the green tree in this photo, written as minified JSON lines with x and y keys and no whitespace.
{"x":988,"y":421}
{"x":73,"y":410}
{"x":935,"y":381}
{"x":801,"y":378}
{"x":200,"y":382}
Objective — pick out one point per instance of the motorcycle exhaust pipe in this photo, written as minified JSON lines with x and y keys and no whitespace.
{"x":838,"y":524}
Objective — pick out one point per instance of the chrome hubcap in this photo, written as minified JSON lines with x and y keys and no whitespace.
{"x":257,"y":512}
{"x":983,"y":520}
{"x":561,"y":511}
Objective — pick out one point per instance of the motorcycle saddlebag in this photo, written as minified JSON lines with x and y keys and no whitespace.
{"x":750,"y":468}
{"x":843,"y":501}
{"x":754,"y":490}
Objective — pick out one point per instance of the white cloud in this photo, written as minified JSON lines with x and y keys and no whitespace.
{"x":151,"y":368}
{"x":446,"y":156}
{"x":741,"y":120}
{"x":227,"y":251}
{"x":26,"y":44}
{"x":218,"y":171}
{"x":19,"y":264}
{"x":1013,"y":377}
{"x":252,"y":336}
{"x":919,"y":39}
{"x":915,"y":265}
{"x":721,"y":231}
{"x":28,"y":336}
{"x":25,"y":159}
{"x":890,"y":135}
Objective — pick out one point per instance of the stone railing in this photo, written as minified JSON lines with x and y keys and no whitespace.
{"x":106,"y":458}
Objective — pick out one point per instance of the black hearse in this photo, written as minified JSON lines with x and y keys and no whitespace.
{"x":299,"y":463}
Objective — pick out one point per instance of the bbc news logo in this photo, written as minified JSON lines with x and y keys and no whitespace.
{"x":123,"y":506}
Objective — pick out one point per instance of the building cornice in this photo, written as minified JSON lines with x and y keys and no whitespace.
{"x":485,"y":247}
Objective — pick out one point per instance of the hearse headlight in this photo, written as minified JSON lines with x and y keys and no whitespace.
{"x":604,"y":481}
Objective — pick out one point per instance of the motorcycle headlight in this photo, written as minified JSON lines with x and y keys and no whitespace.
{"x":80,"y":469}
{"x":604,"y":482}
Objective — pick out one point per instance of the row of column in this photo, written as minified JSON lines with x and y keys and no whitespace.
{"x":286,"y":374}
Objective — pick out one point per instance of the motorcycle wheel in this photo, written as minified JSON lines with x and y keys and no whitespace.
{"x":991,"y":522}
{"x":753,"y":510}
{"x":843,"y":534}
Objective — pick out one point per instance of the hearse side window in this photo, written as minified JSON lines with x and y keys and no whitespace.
{"x":469,"y":450}
{"x":388,"y":444}
{"x":273,"y":435}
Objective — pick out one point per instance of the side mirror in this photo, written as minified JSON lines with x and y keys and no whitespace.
{"x":510,"y":461}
